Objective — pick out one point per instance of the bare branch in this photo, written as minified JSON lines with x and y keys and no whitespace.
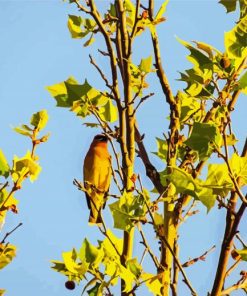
{"x":100,"y":72}
{"x":147,"y":247}
{"x":200,"y":258}
{"x":10,"y":232}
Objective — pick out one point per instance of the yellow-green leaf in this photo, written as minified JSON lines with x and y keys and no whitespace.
{"x":4,"y":167}
{"x":162,"y":10}
{"x":7,"y":253}
{"x":25,"y":167}
{"x":109,"y":112}
{"x":39,"y":119}
{"x":236,"y":40}
{"x":243,"y":254}
{"x":74,"y":25}
{"x":153,"y":283}
{"x":146,"y":65}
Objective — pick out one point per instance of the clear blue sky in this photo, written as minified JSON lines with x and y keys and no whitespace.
{"x":36,"y":50}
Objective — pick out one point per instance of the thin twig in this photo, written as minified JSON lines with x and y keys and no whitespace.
{"x":100,"y":72}
{"x":232,"y":267}
{"x":200,"y":258}
{"x":145,"y":243}
{"x":10,"y":232}
{"x":241,"y":240}
{"x":234,"y":288}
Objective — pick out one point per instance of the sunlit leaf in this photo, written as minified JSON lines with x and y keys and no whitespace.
{"x":4,"y":167}
{"x":162,"y":149}
{"x":243,"y":254}
{"x":239,"y":168}
{"x":25,"y":166}
{"x":218,"y":179}
{"x":7,"y":253}
{"x":134,"y":266}
{"x":109,"y":112}
{"x":74,"y":25}
{"x":39,"y":119}
{"x":161,"y":10}
{"x":236,"y":40}
{"x":70,"y":261}
{"x":90,"y":254}
{"x":153,"y":283}
{"x":204,"y":138}
{"x":89,"y":42}
{"x":146,"y":65}
{"x":242,"y":83}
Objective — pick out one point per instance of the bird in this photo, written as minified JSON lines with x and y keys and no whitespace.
{"x":97,"y":177}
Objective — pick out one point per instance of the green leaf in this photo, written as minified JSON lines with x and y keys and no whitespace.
{"x":25,"y":166}
{"x":39,"y":119}
{"x":11,"y":203}
{"x":218,"y":179}
{"x":204,"y":138}
{"x":158,"y":219}
{"x":2,"y":292}
{"x":78,"y":268}
{"x":130,"y":11}
{"x":162,"y":149}
{"x":230,"y":5}
{"x":134,"y":266}
{"x":183,"y":182}
{"x":4,"y":167}
{"x":60,"y":267}
{"x":109,"y":112}
{"x":153,"y":283}
{"x":239,"y":168}
{"x":243,"y":254}
{"x":189,"y":106}
{"x":90,"y":254}
{"x":127,"y":209}
{"x":162,"y":10}
{"x":236,"y":40}
{"x":7,"y":253}
{"x":66,"y":92}
{"x":242,"y":83}
{"x":196,"y":57}
{"x":94,"y":291}
{"x":74,"y":25}
{"x":22,"y":131}
{"x":207,"y":197}
{"x":89,"y":42}
{"x":146,"y":65}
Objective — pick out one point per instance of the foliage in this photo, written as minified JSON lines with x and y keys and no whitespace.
{"x":13,"y":176}
{"x":199,"y":132}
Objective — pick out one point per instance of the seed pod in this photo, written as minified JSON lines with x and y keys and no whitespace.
{"x":70,"y":285}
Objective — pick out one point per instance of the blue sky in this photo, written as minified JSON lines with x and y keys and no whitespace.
{"x":36,"y":51}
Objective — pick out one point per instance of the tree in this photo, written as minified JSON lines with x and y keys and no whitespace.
{"x":26,"y":167}
{"x":200,"y":130}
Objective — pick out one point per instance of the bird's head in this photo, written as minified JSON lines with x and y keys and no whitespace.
{"x":100,"y":139}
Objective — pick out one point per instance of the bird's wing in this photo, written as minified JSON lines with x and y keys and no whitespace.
{"x":97,"y":172}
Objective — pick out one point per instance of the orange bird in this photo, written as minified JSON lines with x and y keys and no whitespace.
{"x":97,"y":176}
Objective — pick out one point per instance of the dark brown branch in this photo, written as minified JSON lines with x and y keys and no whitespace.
{"x":151,"y":171}
{"x":232,"y":223}
{"x":9,"y":233}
